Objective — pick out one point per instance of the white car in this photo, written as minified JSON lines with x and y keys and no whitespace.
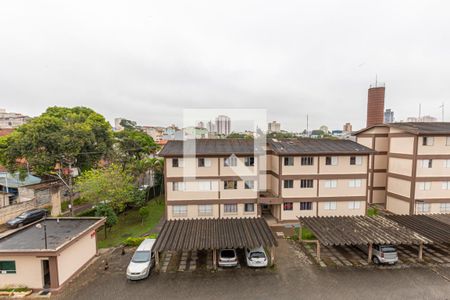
{"x":228,"y":258}
{"x":142,"y":261}
{"x":256,"y":258}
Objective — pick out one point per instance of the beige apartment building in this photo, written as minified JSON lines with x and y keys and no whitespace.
{"x":290,"y":178}
{"x":410,"y":171}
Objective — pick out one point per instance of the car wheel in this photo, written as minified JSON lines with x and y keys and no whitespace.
{"x":20,"y":225}
{"x":375,"y":260}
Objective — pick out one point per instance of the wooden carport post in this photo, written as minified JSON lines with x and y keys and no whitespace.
{"x":214,"y":258}
{"x":369,"y":253}
{"x":421,"y":251}
{"x":157,"y":267}
{"x":318,"y":250}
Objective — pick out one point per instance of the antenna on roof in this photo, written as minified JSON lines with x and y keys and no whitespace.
{"x":442,"y":108}
{"x":420,"y":112}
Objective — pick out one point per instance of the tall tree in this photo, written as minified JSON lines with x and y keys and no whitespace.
{"x":60,"y":134}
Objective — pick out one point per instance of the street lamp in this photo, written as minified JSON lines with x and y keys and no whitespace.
{"x":39,"y":226}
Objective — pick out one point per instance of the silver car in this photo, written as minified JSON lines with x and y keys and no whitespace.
{"x":228,"y":258}
{"x":142,"y":261}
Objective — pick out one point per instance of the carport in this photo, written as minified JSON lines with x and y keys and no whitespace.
{"x":214,"y":234}
{"x":360,"y":230}
{"x":434,"y":227}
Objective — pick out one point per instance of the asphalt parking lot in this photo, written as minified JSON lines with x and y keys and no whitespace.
{"x":294,"y":276}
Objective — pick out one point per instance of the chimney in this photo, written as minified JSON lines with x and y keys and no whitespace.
{"x":375,"y":105}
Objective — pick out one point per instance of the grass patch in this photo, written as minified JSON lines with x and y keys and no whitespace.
{"x":130,"y":224}
{"x":306,"y":234}
{"x":372,"y":211}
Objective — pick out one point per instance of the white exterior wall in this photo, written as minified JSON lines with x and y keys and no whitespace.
{"x":28,"y":272}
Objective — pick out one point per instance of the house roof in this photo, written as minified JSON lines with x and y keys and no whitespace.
{"x":210,"y":234}
{"x":60,"y":231}
{"x":211,"y":147}
{"x":307,"y":146}
{"x":5,"y":131}
{"x":14,"y":181}
{"x":302,"y":146}
{"x":419,"y":128}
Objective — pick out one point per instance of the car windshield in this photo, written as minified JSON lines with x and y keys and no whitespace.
{"x":388,"y":249}
{"x":257,"y":255}
{"x":141,"y":256}
{"x":23,"y":216}
{"x":227,"y":253}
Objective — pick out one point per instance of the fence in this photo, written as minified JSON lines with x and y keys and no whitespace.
{"x":13,"y":210}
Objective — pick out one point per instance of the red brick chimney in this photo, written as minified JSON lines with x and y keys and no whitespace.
{"x":375,"y":106}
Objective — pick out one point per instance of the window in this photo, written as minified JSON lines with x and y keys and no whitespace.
{"x":306,"y":183}
{"x":230,"y":161}
{"x":288,"y":206}
{"x":203,"y":162}
{"x":205,"y":185}
{"x":307,"y":161}
{"x":448,"y":141}
{"x":330,"y":184}
{"x":330,"y":205}
{"x":445,"y":207}
{"x":424,"y":186}
{"x":288,"y":161}
{"x":447,"y":163}
{"x":178,"y":186}
{"x":331,"y":160}
{"x":250,"y":161}
{"x":7,"y":267}
{"x":305,"y":205}
{"x":354,"y":183}
{"x":356,"y":160}
{"x":427,"y":163}
{"x":179,"y":210}
{"x":446,"y":185}
{"x":230,"y":185}
{"x":249,"y":184}
{"x":205,"y":210}
{"x":177,"y":162}
{"x":427,"y":141}
{"x":423,"y":207}
{"x":249,"y":207}
{"x":354,"y":205}
{"x":230,"y":208}
{"x":288,"y":184}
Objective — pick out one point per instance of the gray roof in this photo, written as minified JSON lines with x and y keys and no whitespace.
{"x":421,"y":128}
{"x":31,"y":238}
{"x":306,"y":146}
{"x":14,"y":181}
{"x":209,"y":147}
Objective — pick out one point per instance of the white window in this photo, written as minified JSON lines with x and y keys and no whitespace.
{"x":178,"y":186}
{"x":423,"y":207}
{"x":426,"y":163}
{"x":205,"y":185}
{"x":354,"y":183}
{"x":330,"y":205}
{"x":230,"y":161}
{"x":424,"y":186}
{"x":205,"y":210}
{"x":331,"y":160}
{"x":249,"y":184}
{"x":249,"y":207}
{"x":179,"y":210}
{"x":354,"y":205}
{"x":448,"y":141}
{"x":230,"y":208}
{"x":203,"y":162}
{"x":330,"y":184}
{"x":356,"y":160}
{"x":445,"y":207}
{"x":446,"y":185}
{"x":427,"y":141}
{"x":446,"y":163}
{"x":177,"y":162}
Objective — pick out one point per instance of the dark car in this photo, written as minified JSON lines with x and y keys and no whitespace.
{"x":26,"y":218}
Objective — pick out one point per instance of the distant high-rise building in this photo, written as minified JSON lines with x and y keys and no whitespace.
{"x":347,"y":127}
{"x":389,"y":116}
{"x":375,"y":105}
{"x":211,"y":126}
{"x":274,"y":126}
{"x":9,"y":120}
{"x":422,"y":119}
{"x":201,"y":124}
{"x":223,"y":125}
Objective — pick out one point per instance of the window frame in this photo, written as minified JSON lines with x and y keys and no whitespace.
{"x":305,"y":183}
{"x":229,"y":205}
{"x":444,"y":207}
{"x":330,"y":205}
{"x":205,"y":213}
{"x":354,"y":183}
{"x":249,"y":161}
{"x":427,"y":141}
{"x":288,"y":161}
{"x":4,"y":270}
{"x":178,"y":186}
{"x":252,"y":206}
{"x":230,"y":161}
{"x":286,"y":185}
{"x":226,"y":182}
{"x":179,"y":214}
{"x":288,"y":206}
{"x":420,"y":207}
{"x":249,"y":187}
{"x":424,"y":185}
{"x":331,"y":160}
{"x":330,"y":185}
{"x":306,"y":205}
{"x":307,"y":161}
{"x":353,"y":205}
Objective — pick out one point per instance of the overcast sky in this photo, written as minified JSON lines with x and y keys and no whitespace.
{"x":147,"y":60}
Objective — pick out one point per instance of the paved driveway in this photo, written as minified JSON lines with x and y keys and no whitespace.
{"x":291,"y":279}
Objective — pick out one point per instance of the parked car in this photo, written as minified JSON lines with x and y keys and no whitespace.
{"x":228,"y":258}
{"x":382,"y":254}
{"x":256,"y":258}
{"x":142,"y":261}
{"x":26,"y":218}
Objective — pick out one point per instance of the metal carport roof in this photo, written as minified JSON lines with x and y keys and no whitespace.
{"x":361,"y":230}
{"x":211,"y":234}
{"x":433,"y":227}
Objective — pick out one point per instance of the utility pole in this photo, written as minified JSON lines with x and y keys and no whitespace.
{"x":70,"y":188}
{"x":442,"y":110}
{"x":307,"y":124}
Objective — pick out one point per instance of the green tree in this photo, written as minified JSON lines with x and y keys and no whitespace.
{"x":110,"y":185}
{"x":238,"y":135}
{"x":60,"y":134}
{"x":144,"y":212}
{"x":104,"y":210}
{"x":132,"y":144}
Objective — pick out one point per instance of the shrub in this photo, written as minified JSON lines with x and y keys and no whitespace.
{"x":87,"y":213}
{"x":136,"y":241}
